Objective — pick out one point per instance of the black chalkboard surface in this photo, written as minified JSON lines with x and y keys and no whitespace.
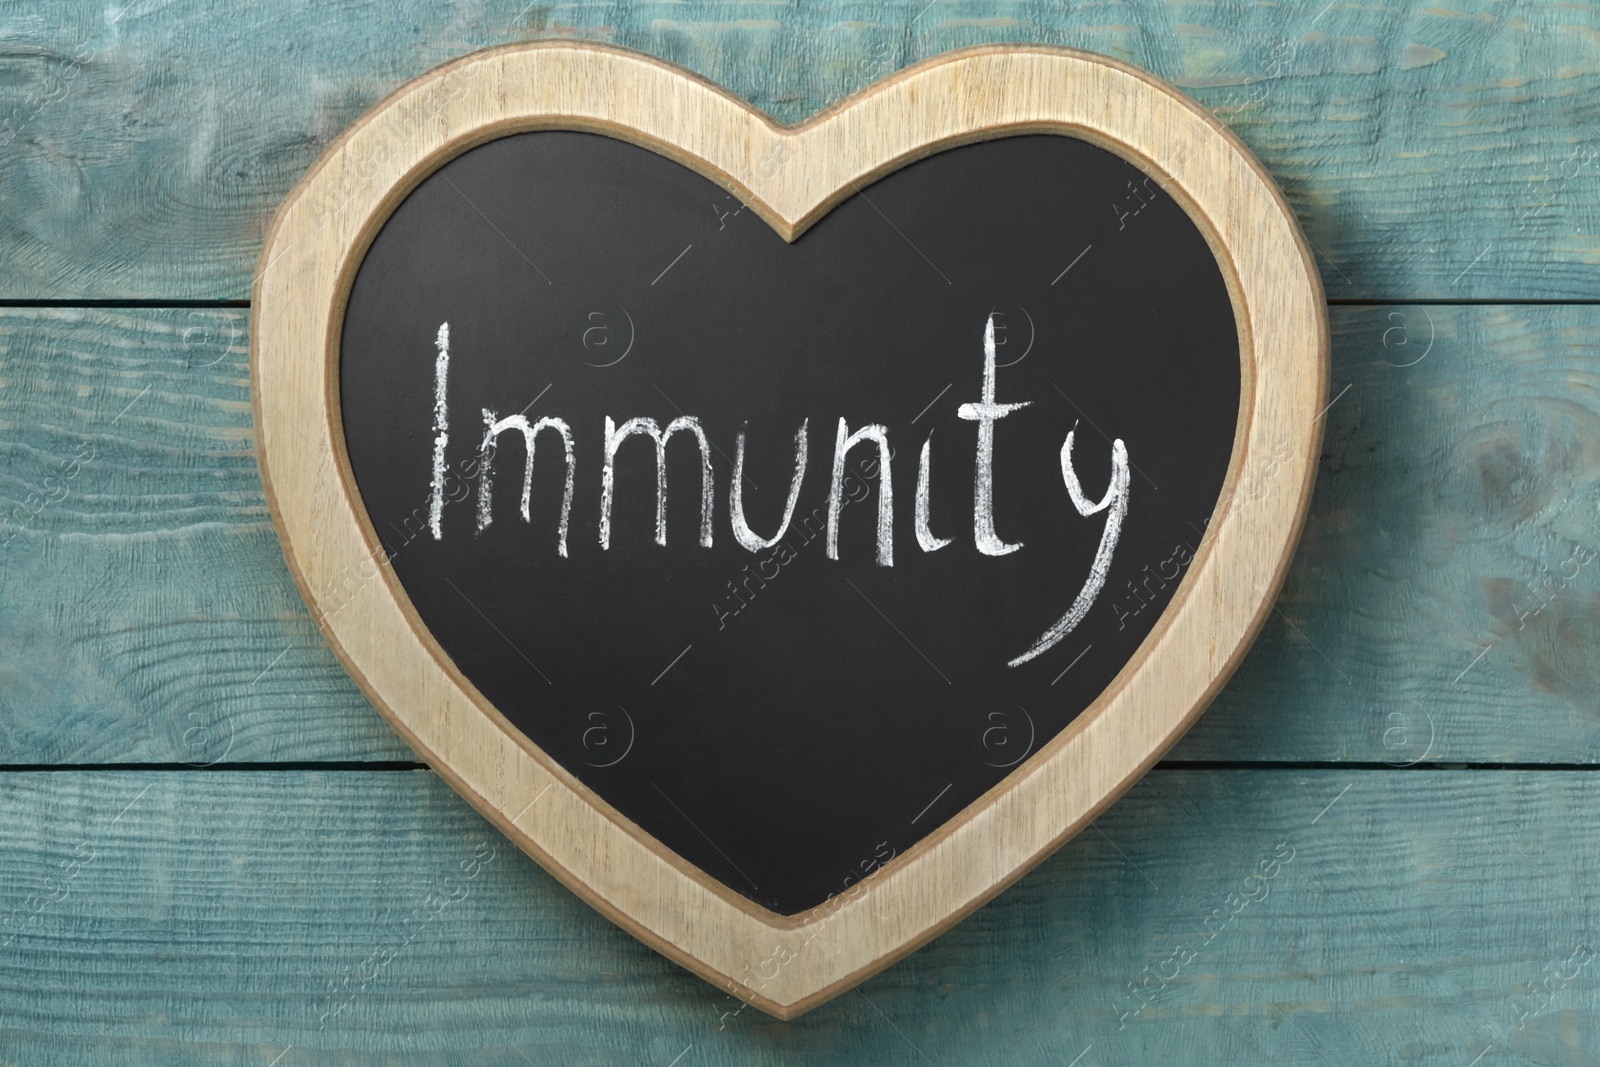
{"x":788,"y":713}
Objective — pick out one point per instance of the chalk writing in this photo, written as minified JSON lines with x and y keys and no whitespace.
{"x":1117,"y":499}
{"x":986,"y":412}
{"x":741,"y":529}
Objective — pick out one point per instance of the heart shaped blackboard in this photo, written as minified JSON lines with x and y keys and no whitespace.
{"x":793,"y":677}
{"x":787,"y":535}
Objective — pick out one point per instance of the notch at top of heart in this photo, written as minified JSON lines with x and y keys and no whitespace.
{"x":789,"y":175}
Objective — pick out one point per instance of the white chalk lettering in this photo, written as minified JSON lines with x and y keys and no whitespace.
{"x":985,"y":414}
{"x":925,"y":538}
{"x":843,"y":442}
{"x":649,"y":428}
{"x":441,"y":431}
{"x":741,"y":529}
{"x":1116,"y":499}
{"x":493,"y":429}
{"x":447,"y":487}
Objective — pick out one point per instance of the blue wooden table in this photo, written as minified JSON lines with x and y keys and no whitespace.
{"x":214,"y":851}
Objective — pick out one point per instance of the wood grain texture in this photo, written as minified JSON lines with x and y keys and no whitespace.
{"x":156,"y":591}
{"x":219,"y":918}
{"x":790,"y":176}
{"x":1445,"y":601}
{"x":148,"y":615}
{"x":1429,"y":150}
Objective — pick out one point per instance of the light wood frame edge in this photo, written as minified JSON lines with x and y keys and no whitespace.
{"x":591,"y":848}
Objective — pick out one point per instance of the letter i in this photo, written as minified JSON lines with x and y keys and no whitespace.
{"x":441,"y":430}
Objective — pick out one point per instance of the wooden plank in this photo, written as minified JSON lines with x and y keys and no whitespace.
{"x":1443,"y":151}
{"x":362,"y":917}
{"x":1445,"y":599}
{"x":148,"y":616}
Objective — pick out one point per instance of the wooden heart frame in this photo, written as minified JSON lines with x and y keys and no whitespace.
{"x":791,"y":176}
